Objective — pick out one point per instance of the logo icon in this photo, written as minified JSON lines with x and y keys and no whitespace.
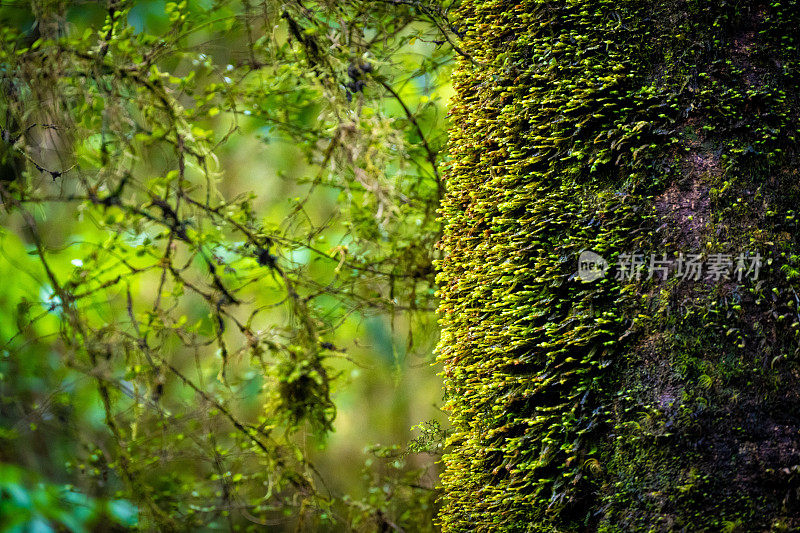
{"x":591,"y":266}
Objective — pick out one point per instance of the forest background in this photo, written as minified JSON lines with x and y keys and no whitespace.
{"x":218,"y":247}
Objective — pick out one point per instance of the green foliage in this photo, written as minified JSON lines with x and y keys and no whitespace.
{"x":202,"y":201}
{"x":28,"y":505}
{"x":395,"y":500}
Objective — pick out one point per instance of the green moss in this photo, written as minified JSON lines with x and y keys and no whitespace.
{"x":581,"y":405}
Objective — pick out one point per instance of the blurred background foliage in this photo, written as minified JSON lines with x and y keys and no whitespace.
{"x":218,"y":231}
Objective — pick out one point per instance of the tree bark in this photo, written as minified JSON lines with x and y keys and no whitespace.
{"x":663,"y":403}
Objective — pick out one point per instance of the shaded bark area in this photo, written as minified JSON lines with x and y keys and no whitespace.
{"x":633,"y":404}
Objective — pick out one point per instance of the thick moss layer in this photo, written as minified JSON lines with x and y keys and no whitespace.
{"x":633,"y":126}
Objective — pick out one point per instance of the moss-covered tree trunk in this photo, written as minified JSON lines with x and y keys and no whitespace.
{"x":663,"y":403}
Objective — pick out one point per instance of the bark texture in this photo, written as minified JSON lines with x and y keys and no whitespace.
{"x":651,"y":127}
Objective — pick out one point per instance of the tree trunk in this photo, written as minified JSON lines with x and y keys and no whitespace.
{"x":663,"y":400}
